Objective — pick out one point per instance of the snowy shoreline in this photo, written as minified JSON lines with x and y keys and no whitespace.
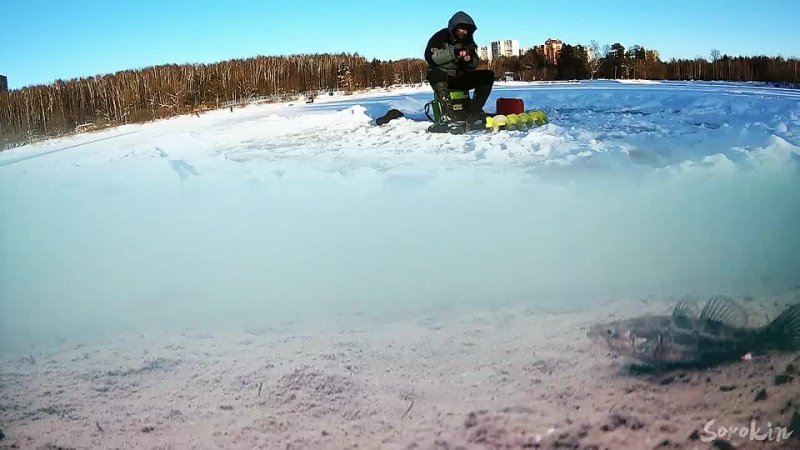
{"x":322,"y":97}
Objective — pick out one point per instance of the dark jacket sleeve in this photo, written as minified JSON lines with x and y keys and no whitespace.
{"x":438,"y":51}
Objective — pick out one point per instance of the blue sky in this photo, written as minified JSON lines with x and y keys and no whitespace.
{"x":47,"y":40}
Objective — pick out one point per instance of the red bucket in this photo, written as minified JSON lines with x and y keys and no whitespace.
{"x":506,"y":106}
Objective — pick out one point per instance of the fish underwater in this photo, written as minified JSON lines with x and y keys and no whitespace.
{"x":690,"y":337}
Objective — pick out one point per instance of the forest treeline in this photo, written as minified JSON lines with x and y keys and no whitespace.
{"x":131,"y":96}
{"x":578,"y":62}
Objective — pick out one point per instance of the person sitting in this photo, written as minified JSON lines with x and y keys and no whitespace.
{"x":452,"y":58}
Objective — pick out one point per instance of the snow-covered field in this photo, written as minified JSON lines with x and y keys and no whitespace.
{"x":279,"y":211}
{"x":292,"y":276}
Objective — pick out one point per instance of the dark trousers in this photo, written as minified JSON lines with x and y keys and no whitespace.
{"x":480,"y":80}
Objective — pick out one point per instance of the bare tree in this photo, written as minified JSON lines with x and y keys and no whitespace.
{"x":714,"y":59}
{"x":595,"y":59}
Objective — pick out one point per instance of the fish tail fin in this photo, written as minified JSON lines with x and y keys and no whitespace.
{"x":784,"y":331}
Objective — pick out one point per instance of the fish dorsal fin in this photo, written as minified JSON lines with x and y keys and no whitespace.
{"x":685,"y":312}
{"x":786,"y":328}
{"x":723,"y":311}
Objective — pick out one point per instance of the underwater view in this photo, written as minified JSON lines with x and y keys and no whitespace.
{"x":292,"y":275}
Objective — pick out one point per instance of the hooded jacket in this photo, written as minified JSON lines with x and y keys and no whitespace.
{"x":440,"y":52}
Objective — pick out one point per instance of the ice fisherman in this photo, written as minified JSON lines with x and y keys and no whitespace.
{"x":452,"y":57}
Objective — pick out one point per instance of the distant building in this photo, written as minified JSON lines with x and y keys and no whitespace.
{"x":551,"y":50}
{"x":509,"y":47}
{"x":3,"y":83}
{"x":484,"y":53}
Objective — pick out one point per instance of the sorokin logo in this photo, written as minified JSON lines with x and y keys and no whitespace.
{"x":753,"y":432}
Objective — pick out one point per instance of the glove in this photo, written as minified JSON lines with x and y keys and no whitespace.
{"x":459,"y":51}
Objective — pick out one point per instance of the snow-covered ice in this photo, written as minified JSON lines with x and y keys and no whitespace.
{"x":280,"y":211}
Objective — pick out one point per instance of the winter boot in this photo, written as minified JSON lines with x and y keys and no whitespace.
{"x":476,"y":117}
{"x":446,"y":120}
{"x":476,"y":120}
{"x":442,"y":95}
